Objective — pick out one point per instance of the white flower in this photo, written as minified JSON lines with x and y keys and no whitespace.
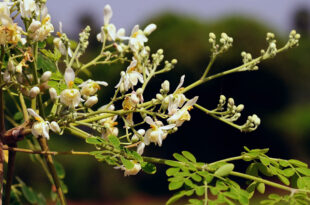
{"x":149,"y":29}
{"x":157,"y":133}
{"x":91,"y":87}
{"x":46,"y":76}
{"x":130,"y":78}
{"x":70,"y":97}
{"x":137,"y":39}
{"x":182,"y":115}
{"x":177,"y":99}
{"x":39,"y":31}
{"x":109,"y":127}
{"x":140,"y":148}
{"x":27,"y":7}
{"x":34,"y":91}
{"x":55,"y":127}
{"x":91,"y":101}
{"x":59,"y":44}
{"x":6,"y":76}
{"x":53,"y":94}
{"x":11,"y":33}
{"x":133,"y":171}
{"x":5,"y":18}
{"x":40,"y":127}
{"x":107,"y":14}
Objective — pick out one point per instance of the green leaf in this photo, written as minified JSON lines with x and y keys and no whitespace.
{"x":265,"y":161}
{"x":172,"y":171}
{"x":45,"y":64}
{"x":189,"y":156}
{"x":173,"y":163}
{"x":196,"y":177}
{"x":41,"y":199}
{"x":283,"y":179}
{"x":148,"y":167}
{"x":297,"y":163}
{"x":224,"y":170}
{"x":94,"y":141}
{"x":59,"y":170}
{"x":127,"y":163}
{"x":63,"y":187}
{"x":136,"y":156}
{"x":114,"y":141}
{"x":200,"y":190}
{"x":303,"y":170}
{"x":175,"y":185}
{"x":179,"y":157}
{"x":41,"y":44}
{"x":303,"y":182}
{"x":261,"y":188}
{"x":29,"y":194}
{"x":175,"y":198}
{"x":18,"y":116}
{"x":189,"y":183}
{"x":195,"y":202}
{"x":78,"y":80}
{"x":284,"y":163}
{"x":208,"y":177}
{"x":288,"y":172}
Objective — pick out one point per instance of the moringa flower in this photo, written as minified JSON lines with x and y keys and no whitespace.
{"x":91,"y":87}
{"x":40,"y":128}
{"x":182,"y":114}
{"x":91,"y":101}
{"x":70,"y":96}
{"x":157,"y":133}
{"x":39,"y":31}
{"x":137,"y":39}
{"x":27,"y":7}
{"x":130,"y":78}
{"x":5,"y":18}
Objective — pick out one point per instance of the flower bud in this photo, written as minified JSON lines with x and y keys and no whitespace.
{"x":166,"y":86}
{"x":140,"y":148}
{"x":34,"y":92}
{"x":46,"y":76}
{"x":149,"y":29}
{"x":107,"y":14}
{"x":55,"y":127}
{"x":159,"y":97}
{"x":91,"y":101}
{"x":134,"y":139}
{"x":53,"y":94}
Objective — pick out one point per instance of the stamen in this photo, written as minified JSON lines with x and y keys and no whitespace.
{"x":70,"y":84}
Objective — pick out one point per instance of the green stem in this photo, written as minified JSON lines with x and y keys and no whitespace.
{"x":43,"y":141}
{"x":213,"y":57}
{"x":217,"y":117}
{"x":52,"y":169}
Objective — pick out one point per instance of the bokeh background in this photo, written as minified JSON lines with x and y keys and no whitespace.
{"x":279,"y":93}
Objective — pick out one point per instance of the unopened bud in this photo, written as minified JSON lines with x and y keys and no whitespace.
{"x":53,"y":93}
{"x":149,"y":29}
{"x":159,"y":96}
{"x":91,"y":101}
{"x":55,"y":127}
{"x":166,"y":86}
{"x":46,"y":76}
{"x":34,"y":92}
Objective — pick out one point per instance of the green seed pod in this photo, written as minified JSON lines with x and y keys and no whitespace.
{"x":224,"y":170}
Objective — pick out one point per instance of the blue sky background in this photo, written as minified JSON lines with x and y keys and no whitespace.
{"x":277,"y":13}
